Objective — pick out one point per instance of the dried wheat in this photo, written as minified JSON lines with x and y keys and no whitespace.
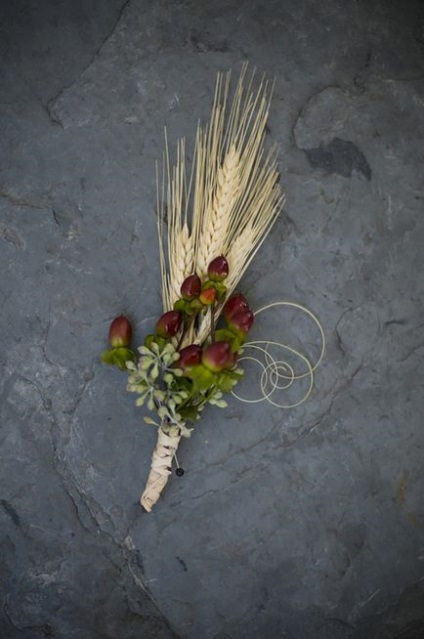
{"x":217,"y":219}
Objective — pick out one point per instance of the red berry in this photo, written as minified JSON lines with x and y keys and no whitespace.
{"x":207,"y":297}
{"x":189,"y":356}
{"x":120,"y":332}
{"x":169,"y":324}
{"x":235,"y":304}
{"x":217,"y":356}
{"x":232,"y":360}
{"x":191,"y":287}
{"x":242,"y":321}
{"x":218,"y":269}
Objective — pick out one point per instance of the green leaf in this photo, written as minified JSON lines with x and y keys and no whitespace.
{"x":185,"y":432}
{"x":118,"y":357}
{"x":107,"y":357}
{"x":163,"y":412}
{"x":202,"y":377}
{"x":154,"y":373}
{"x":227,"y":379}
{"x":190,"y":413}
{"x":220,"y":403}
{"x":224,"y":335}
{"x":147,"y":343}
{"x":183,"y":383}
{"x":221,"y":289}
{"x":145,"y":362}
{"x":180,"y":305}
{"x":193,"y":307}
{"x":155,"y":340}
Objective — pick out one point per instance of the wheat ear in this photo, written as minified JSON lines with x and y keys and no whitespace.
{"x":212,"y":239}
{"x":176,"y":243}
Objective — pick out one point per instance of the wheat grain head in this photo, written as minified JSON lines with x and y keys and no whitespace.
{"x":231,"y":199}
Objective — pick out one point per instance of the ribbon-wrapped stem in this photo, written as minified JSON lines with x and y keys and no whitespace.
{"x":160,"y":468}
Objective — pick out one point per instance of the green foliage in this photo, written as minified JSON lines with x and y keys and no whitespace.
{"x":176,"y":397}
{"x":234,"y":337}
{"x":119,"y":356}
{"x":188,"y":307}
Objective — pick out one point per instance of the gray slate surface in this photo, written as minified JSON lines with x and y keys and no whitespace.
{"x":303,"y":524}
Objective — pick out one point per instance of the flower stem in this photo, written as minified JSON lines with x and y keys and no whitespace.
{"x":212,"y":322}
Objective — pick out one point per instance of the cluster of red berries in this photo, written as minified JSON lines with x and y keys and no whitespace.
{"x":222,"y":353}
{"x":216,"y":356}
{"x":195,"y":296}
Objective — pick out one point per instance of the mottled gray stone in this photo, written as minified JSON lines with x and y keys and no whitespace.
{"x":304,"y":524}
{"x":341,"y":157}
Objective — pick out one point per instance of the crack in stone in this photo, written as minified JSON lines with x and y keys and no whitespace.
{"x":87,"y":517}
{"x":210,"y":491}
{"x":11,"y":236}
{"x":8,"y":616}
{"x":43,"y":346}
{"x":18,"y":201}
{"x":340,"y":622}
{"x":85,"y":510}
{"x":242,"y":451}
{"x":304,"y":106}
{"x":46,"y":629}
{"x":59,"y":465}
{"x":43,"y":204}
{"x":11,"y":512}
{"x":410,"y":78}
{"x":152,"y":600}
{"x":412,"y":351}
{"x":356,"y":78}
{"x":305,"y":432}
{"x":49,"y":106}
{"x":317,"y":422}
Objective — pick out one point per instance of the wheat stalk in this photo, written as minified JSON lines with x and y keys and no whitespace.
{"x":177,"y":250}
{"x":227,"y":207}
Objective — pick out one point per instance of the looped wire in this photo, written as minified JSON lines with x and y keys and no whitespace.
{"x":278,"y":374}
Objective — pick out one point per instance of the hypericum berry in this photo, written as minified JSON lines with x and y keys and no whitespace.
{"x":208,"y":296}
{"x":189,"y":356}
{"x":217,"y":356}
{"x":242,"y":321}
{"x":179,"y":472}
{"x":235,"y":304}
{"x":169,"y":324}
{"x":232,"y":360}
{"x":218,"y":269}
{"x":120,"y":332}
{"x":191,"y":287}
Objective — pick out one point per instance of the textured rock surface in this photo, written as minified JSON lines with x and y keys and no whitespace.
{"x":306,"y":524}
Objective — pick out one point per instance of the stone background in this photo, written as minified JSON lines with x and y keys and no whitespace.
{"x":302,"y":524}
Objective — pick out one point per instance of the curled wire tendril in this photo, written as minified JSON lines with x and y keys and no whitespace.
{"x":278,"y":374}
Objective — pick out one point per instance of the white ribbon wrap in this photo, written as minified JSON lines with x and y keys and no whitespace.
{"x":160,"y":468}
